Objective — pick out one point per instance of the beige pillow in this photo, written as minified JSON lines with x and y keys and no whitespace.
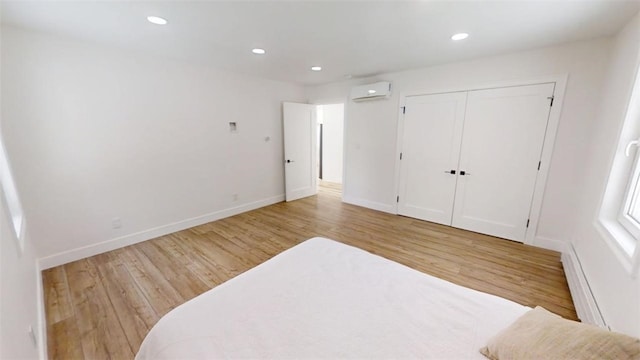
{"x":540,"y":334}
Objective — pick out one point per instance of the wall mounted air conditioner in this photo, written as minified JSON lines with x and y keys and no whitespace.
{"x":379,"y":90}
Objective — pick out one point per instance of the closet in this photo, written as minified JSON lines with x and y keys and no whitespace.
{"x":471,"y":159}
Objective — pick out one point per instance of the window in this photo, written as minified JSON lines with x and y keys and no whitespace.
{"x":11,"y":196}
{"x":629,"y":216}
{"x":619,"y":217}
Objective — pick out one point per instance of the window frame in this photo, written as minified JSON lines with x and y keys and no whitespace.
{"x":620,"y":230}
{"x":631,"y":197}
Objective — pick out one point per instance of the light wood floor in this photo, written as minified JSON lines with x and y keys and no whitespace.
{"x":102,"y":307}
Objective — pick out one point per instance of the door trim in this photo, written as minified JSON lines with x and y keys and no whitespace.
{"x":549,"y":140}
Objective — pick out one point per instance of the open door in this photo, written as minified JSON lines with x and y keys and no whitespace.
{"x":300,"y":131}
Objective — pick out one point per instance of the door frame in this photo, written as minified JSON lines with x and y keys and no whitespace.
{"x":547,"y":149}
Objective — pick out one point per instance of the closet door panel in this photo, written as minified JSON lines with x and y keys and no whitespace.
{"x":432,"y":129}
{"x":504,"y":132}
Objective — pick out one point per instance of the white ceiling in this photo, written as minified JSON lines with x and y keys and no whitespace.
{"x":358,"y":38}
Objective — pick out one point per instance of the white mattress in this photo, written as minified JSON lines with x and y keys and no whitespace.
{"x":324,"y":299}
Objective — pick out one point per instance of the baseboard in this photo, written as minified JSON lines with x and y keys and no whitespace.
{"x":551,"y":244}
{"x":119,"y":242}
{"x":583,"y":299}
{"x":369,"y":204}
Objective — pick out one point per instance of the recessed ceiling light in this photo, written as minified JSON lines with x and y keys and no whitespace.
{"x":371,"y":92}
{"x":460,"y":36}
{"x":316,"y":68}
{"x":258,"y":51}
{"x":157,"y":20}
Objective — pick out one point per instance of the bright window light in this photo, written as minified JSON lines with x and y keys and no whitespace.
{"x":11,"y":195}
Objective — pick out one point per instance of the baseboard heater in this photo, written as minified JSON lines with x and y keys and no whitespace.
{"x":583,"y":299}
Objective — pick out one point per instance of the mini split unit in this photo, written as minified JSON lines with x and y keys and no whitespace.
{"x":379,"y":90}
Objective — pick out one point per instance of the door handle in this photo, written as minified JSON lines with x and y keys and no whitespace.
{"x":289,"y":161}
{"x":452,"y":172}
{"x":463,"y":173}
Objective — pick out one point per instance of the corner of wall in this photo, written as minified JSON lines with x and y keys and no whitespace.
{"x":369,"y":204}
{"x":581,"y":294}
{"x":583,"y":299}
{"x":551,"y":244}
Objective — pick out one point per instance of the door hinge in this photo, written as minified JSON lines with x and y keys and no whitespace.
{"x":404,"y":109}
{"x":539,"y":163}
{"x":551,"y":98}
{"x":528,"y":222}
{"x":398,"y":198}
{"x":400,"y":156}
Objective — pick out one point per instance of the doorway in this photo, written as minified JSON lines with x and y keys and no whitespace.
{"x":330,"y":140}
{"x":313,"y":149}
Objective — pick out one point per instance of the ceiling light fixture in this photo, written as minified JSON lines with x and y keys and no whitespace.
{"x":371,"y":92}
{"x":157,"y":20}
{"x":258,"y":51}
{"x":460,"y":36}
{"x":316,"y":68}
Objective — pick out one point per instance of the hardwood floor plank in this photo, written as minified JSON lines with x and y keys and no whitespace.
{"x":63,"y":340}
{"x":187,"y":285}
{"x":101,"y":334}
{"x":198,"y":263}
{"x":57,"y":297}
{"x":132,"y":309}
{"x":161,"y":296}
{"x":103,"y":306}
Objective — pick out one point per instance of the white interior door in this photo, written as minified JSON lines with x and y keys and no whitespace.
{"x":504,"y":132}
{"x":432,"y":131}
{"x":300,"y":131}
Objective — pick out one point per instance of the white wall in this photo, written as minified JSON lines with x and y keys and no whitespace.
{"x":370,"y":131}
{"x":19,"y":301}
{"x":332,"y":142}
{"x":616,"y":291}
{"x":98,"y":133}
{"x":20,"y":286}
{"x":20,"y":289}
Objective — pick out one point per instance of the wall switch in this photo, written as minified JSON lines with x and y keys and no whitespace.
{"x":116,"y":223}
{"x":233,"y":127}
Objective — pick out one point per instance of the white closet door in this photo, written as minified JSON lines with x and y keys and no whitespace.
{"x":432,"y":130}
{"x":504,"y":132}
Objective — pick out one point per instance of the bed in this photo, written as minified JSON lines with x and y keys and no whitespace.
{"x":325,"y":299}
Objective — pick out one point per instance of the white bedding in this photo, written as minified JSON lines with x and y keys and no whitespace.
{"x":324,"y":299}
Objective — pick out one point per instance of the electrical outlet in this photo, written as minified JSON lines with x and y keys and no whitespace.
{"x":235,"y":197}
{"x":32,"y":336}
{"x":116,"y":223}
